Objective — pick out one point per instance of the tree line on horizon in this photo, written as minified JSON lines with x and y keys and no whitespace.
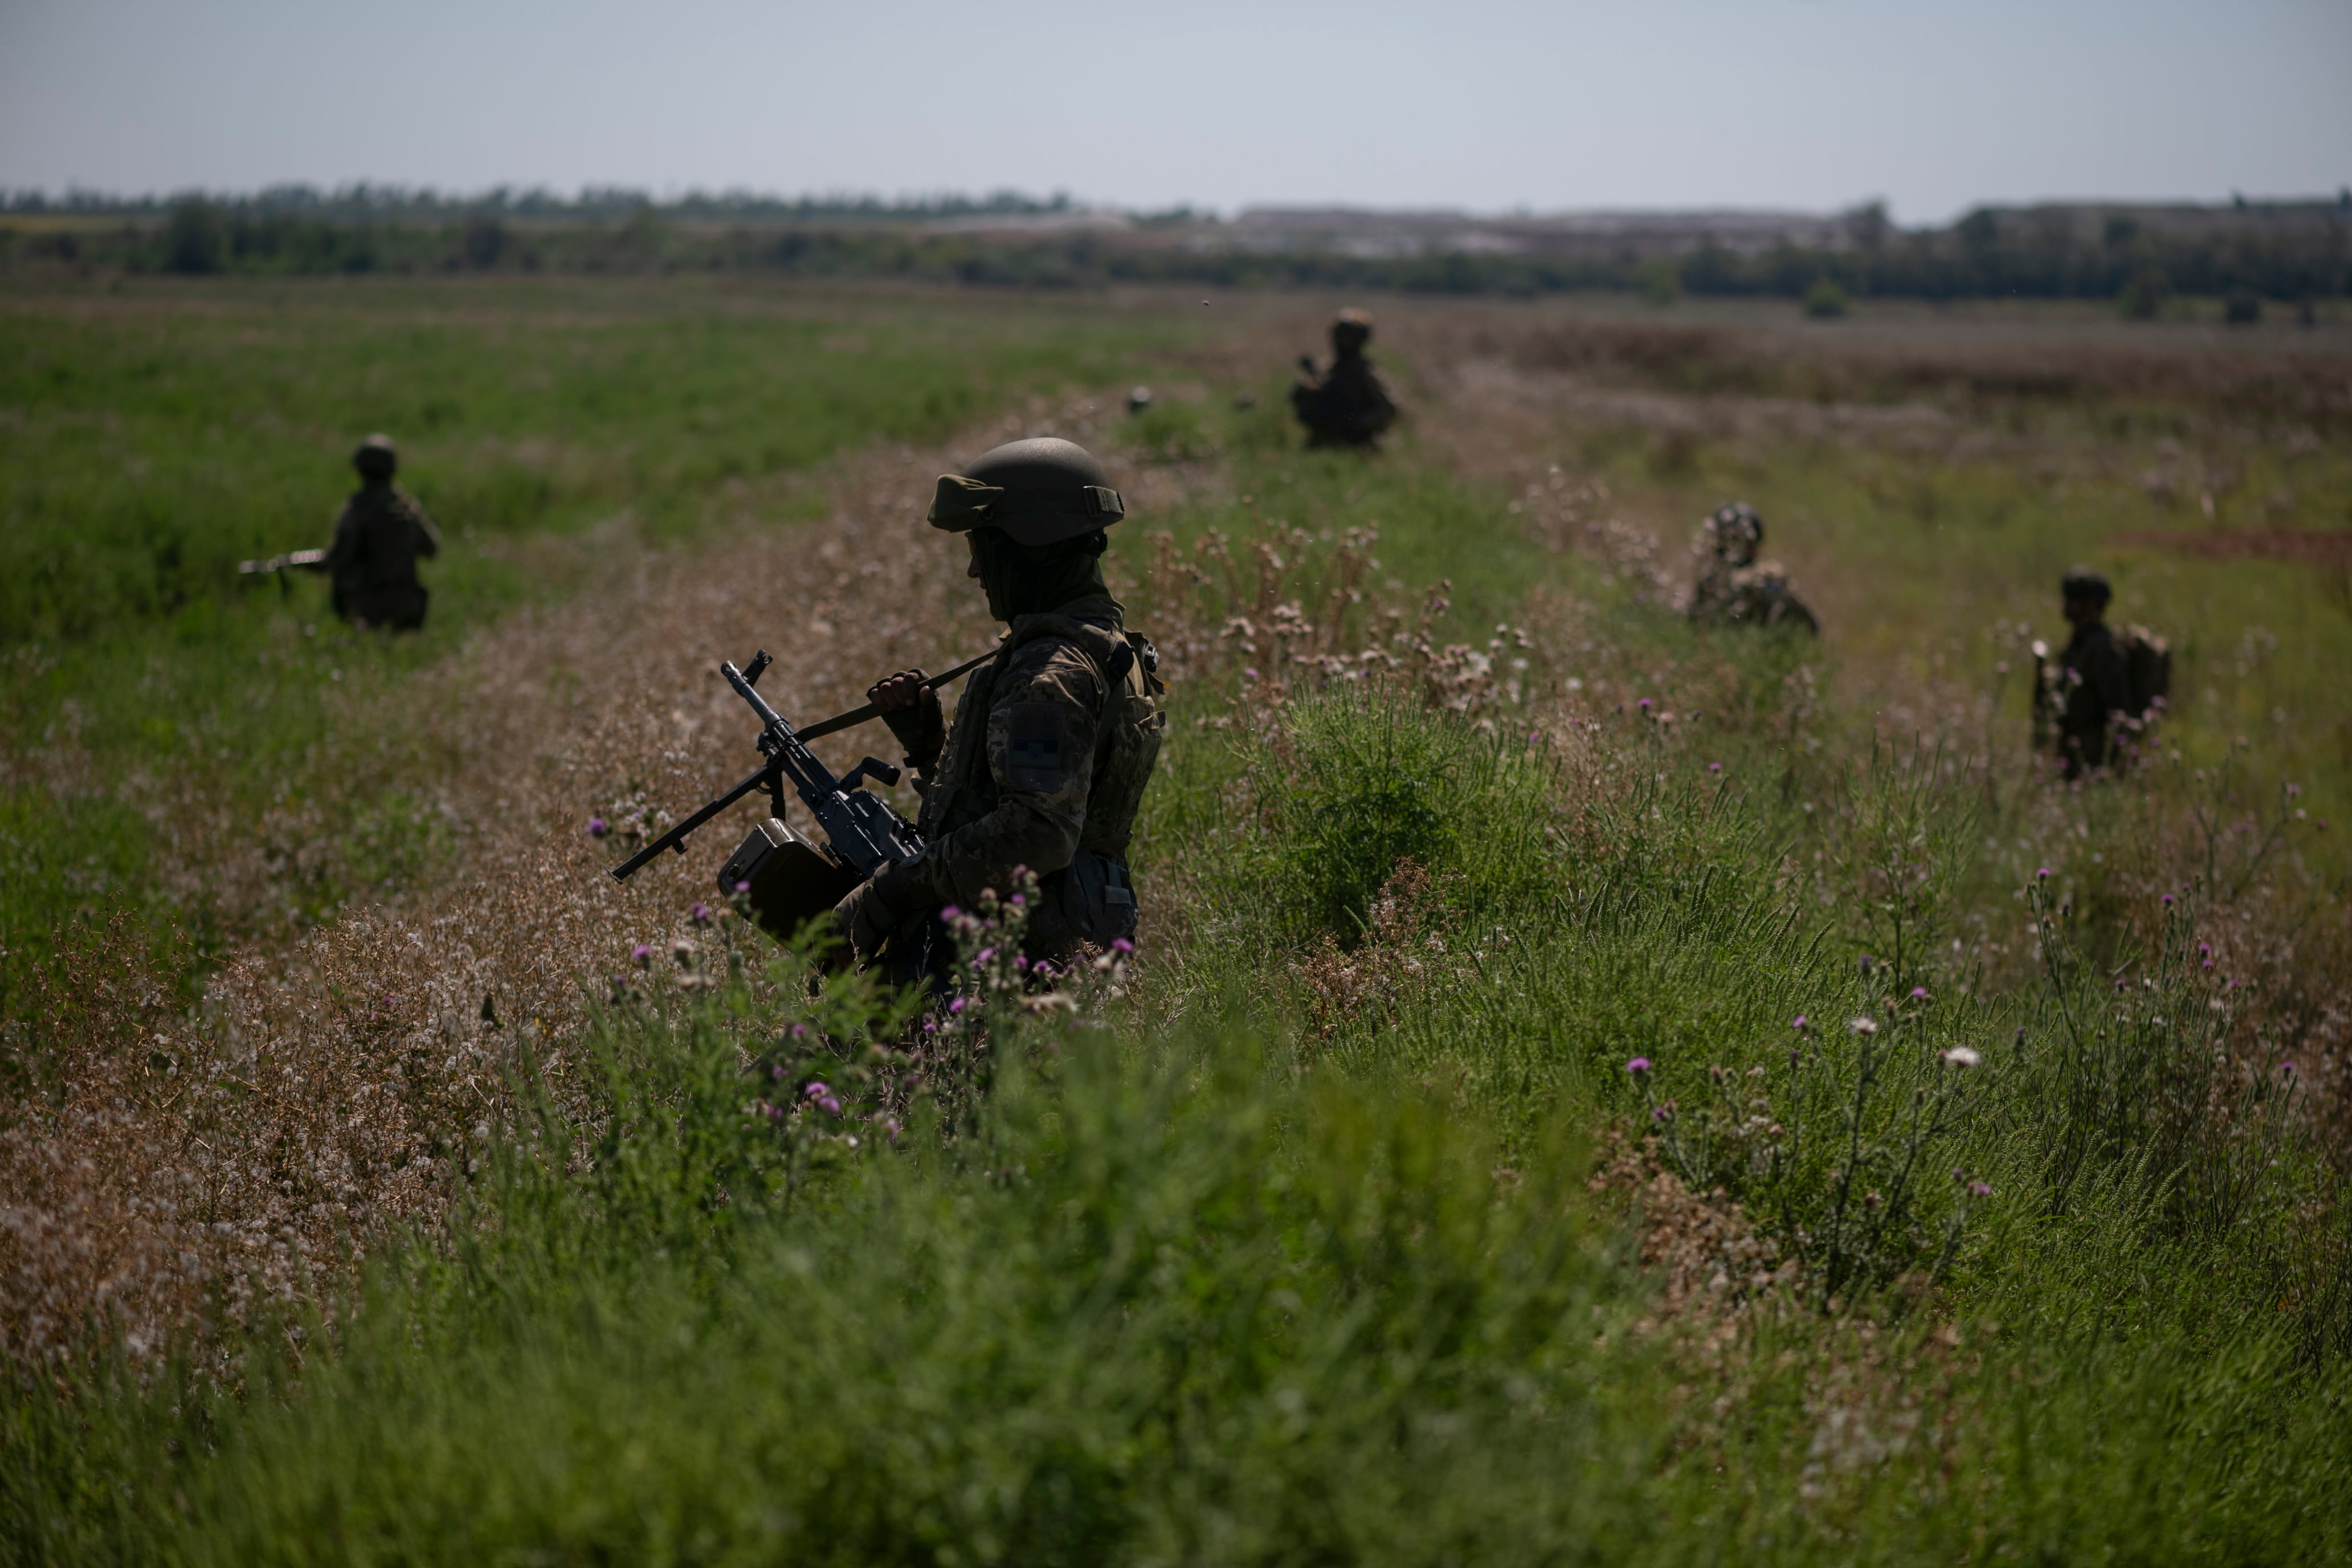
{"x":2298,"y":252}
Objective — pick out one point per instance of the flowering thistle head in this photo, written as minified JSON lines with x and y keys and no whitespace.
{"x":742,"y":886}
{"x":642,"y":954}
{"x":1800,"y":1024}
{"x":1638,"y":1066}
{"x":1121,"y":946}
{"x":1918,"y":992}
{"x":1961,"y":1057}
{"x":2043,"y":875}
{"x":1980,"y":1189}
{"x":598,"y":827}
{"x":950,"y":915}
{"x":1864,"y":1024}
{"x":955,"y":1006}
{"x":700,"y":914}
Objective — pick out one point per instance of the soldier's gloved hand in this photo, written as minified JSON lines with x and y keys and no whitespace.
{"x":867,"y":917}
{"x":912,"y":711}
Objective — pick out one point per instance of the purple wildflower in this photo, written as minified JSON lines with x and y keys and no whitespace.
{"x":742,"y":886}
{"x":955,"y":1006}
{"x":642,"y":954}
{"x":829,"y":1105}
{"x":1638,"y":1066}
{"x":817,"y":1089}
{"x":1918,"y":992}
{"x":983,"y":956}
{"x":2044,"y":874}
{"x":597,"y":828}
{"x":1980,"y":1190}
{"x":700,"y":914}
{"x":1800,"y":1024}
{"x":1120,"y":945}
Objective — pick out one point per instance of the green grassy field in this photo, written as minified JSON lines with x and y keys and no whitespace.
{"x":154,"y":437}
{"x":1978,"y":1193}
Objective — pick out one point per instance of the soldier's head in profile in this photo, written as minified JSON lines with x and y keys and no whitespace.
{"x":1034,"y":513}
{"x":376,"y":461}
{"x":1735,"y":533}
{"x":2084,"y":594}
{"x":1350,"y":330}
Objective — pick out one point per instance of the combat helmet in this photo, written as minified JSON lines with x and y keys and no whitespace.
{"x":1037,"y":492}
{"x":376,"y":457}
{"x":2082,"y":582}
{"x":1350,"y":330}
{"x":1736,"y":534}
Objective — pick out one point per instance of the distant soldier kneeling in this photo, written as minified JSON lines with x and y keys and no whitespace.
{"x":1734,"y":588}
{"x":2093,"y":701}
{"x":378,"y":538}
{"x":1345,"y":405}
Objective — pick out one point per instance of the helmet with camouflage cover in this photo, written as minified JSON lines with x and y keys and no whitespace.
{"x":1036,"y":492}
{"x":1735,"y":533}
{"x":375,"y":459}
{"x":1350,"y":330}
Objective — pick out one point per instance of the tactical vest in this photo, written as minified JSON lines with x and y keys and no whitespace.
{"x":1091,"y":899}
{"x":1126,"y":735}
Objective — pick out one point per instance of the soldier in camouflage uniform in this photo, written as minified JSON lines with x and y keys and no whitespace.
{"x":379,"y":536}
{"x":2083,"y":694}
{"x":1345,"y":405}
{"x":1735,"y":589}
{"x":1054,"y":739}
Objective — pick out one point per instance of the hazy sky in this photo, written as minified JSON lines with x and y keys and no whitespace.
{"x":1479,"y":103}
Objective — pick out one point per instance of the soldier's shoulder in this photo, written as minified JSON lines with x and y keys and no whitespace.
{"x":1050,"y":667}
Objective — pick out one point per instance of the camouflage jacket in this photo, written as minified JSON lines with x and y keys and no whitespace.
{"x":1344,"y":407}
{"x":1053,"y":742}
{"x":373,"y":562}
{"x":1749,"y":595}
{"x":2083,"y":692}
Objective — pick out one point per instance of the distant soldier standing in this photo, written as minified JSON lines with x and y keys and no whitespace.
{"x":1345,"y":405}
{"x":2099,"y":688}
{"x":1734,"y":588}
{"x":378,"y":538}
{"x":1054,"y":739}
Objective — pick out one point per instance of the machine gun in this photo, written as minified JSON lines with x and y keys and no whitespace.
{"x":293,"y":560}
{"x":788,"y":879}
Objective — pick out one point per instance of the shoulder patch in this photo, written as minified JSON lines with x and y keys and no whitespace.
{"x":1035,"y":737}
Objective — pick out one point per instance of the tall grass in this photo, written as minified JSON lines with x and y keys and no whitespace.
{"x":1612,"y":1107}
{"x":1169,"y":1296}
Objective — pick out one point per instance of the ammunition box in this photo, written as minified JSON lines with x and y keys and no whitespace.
{"x":791,"y":881}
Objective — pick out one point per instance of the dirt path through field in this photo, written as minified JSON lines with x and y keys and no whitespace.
{"x":313,"y":1103}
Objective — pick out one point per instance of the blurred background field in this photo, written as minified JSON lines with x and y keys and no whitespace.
{"x":1347,"y":1231}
